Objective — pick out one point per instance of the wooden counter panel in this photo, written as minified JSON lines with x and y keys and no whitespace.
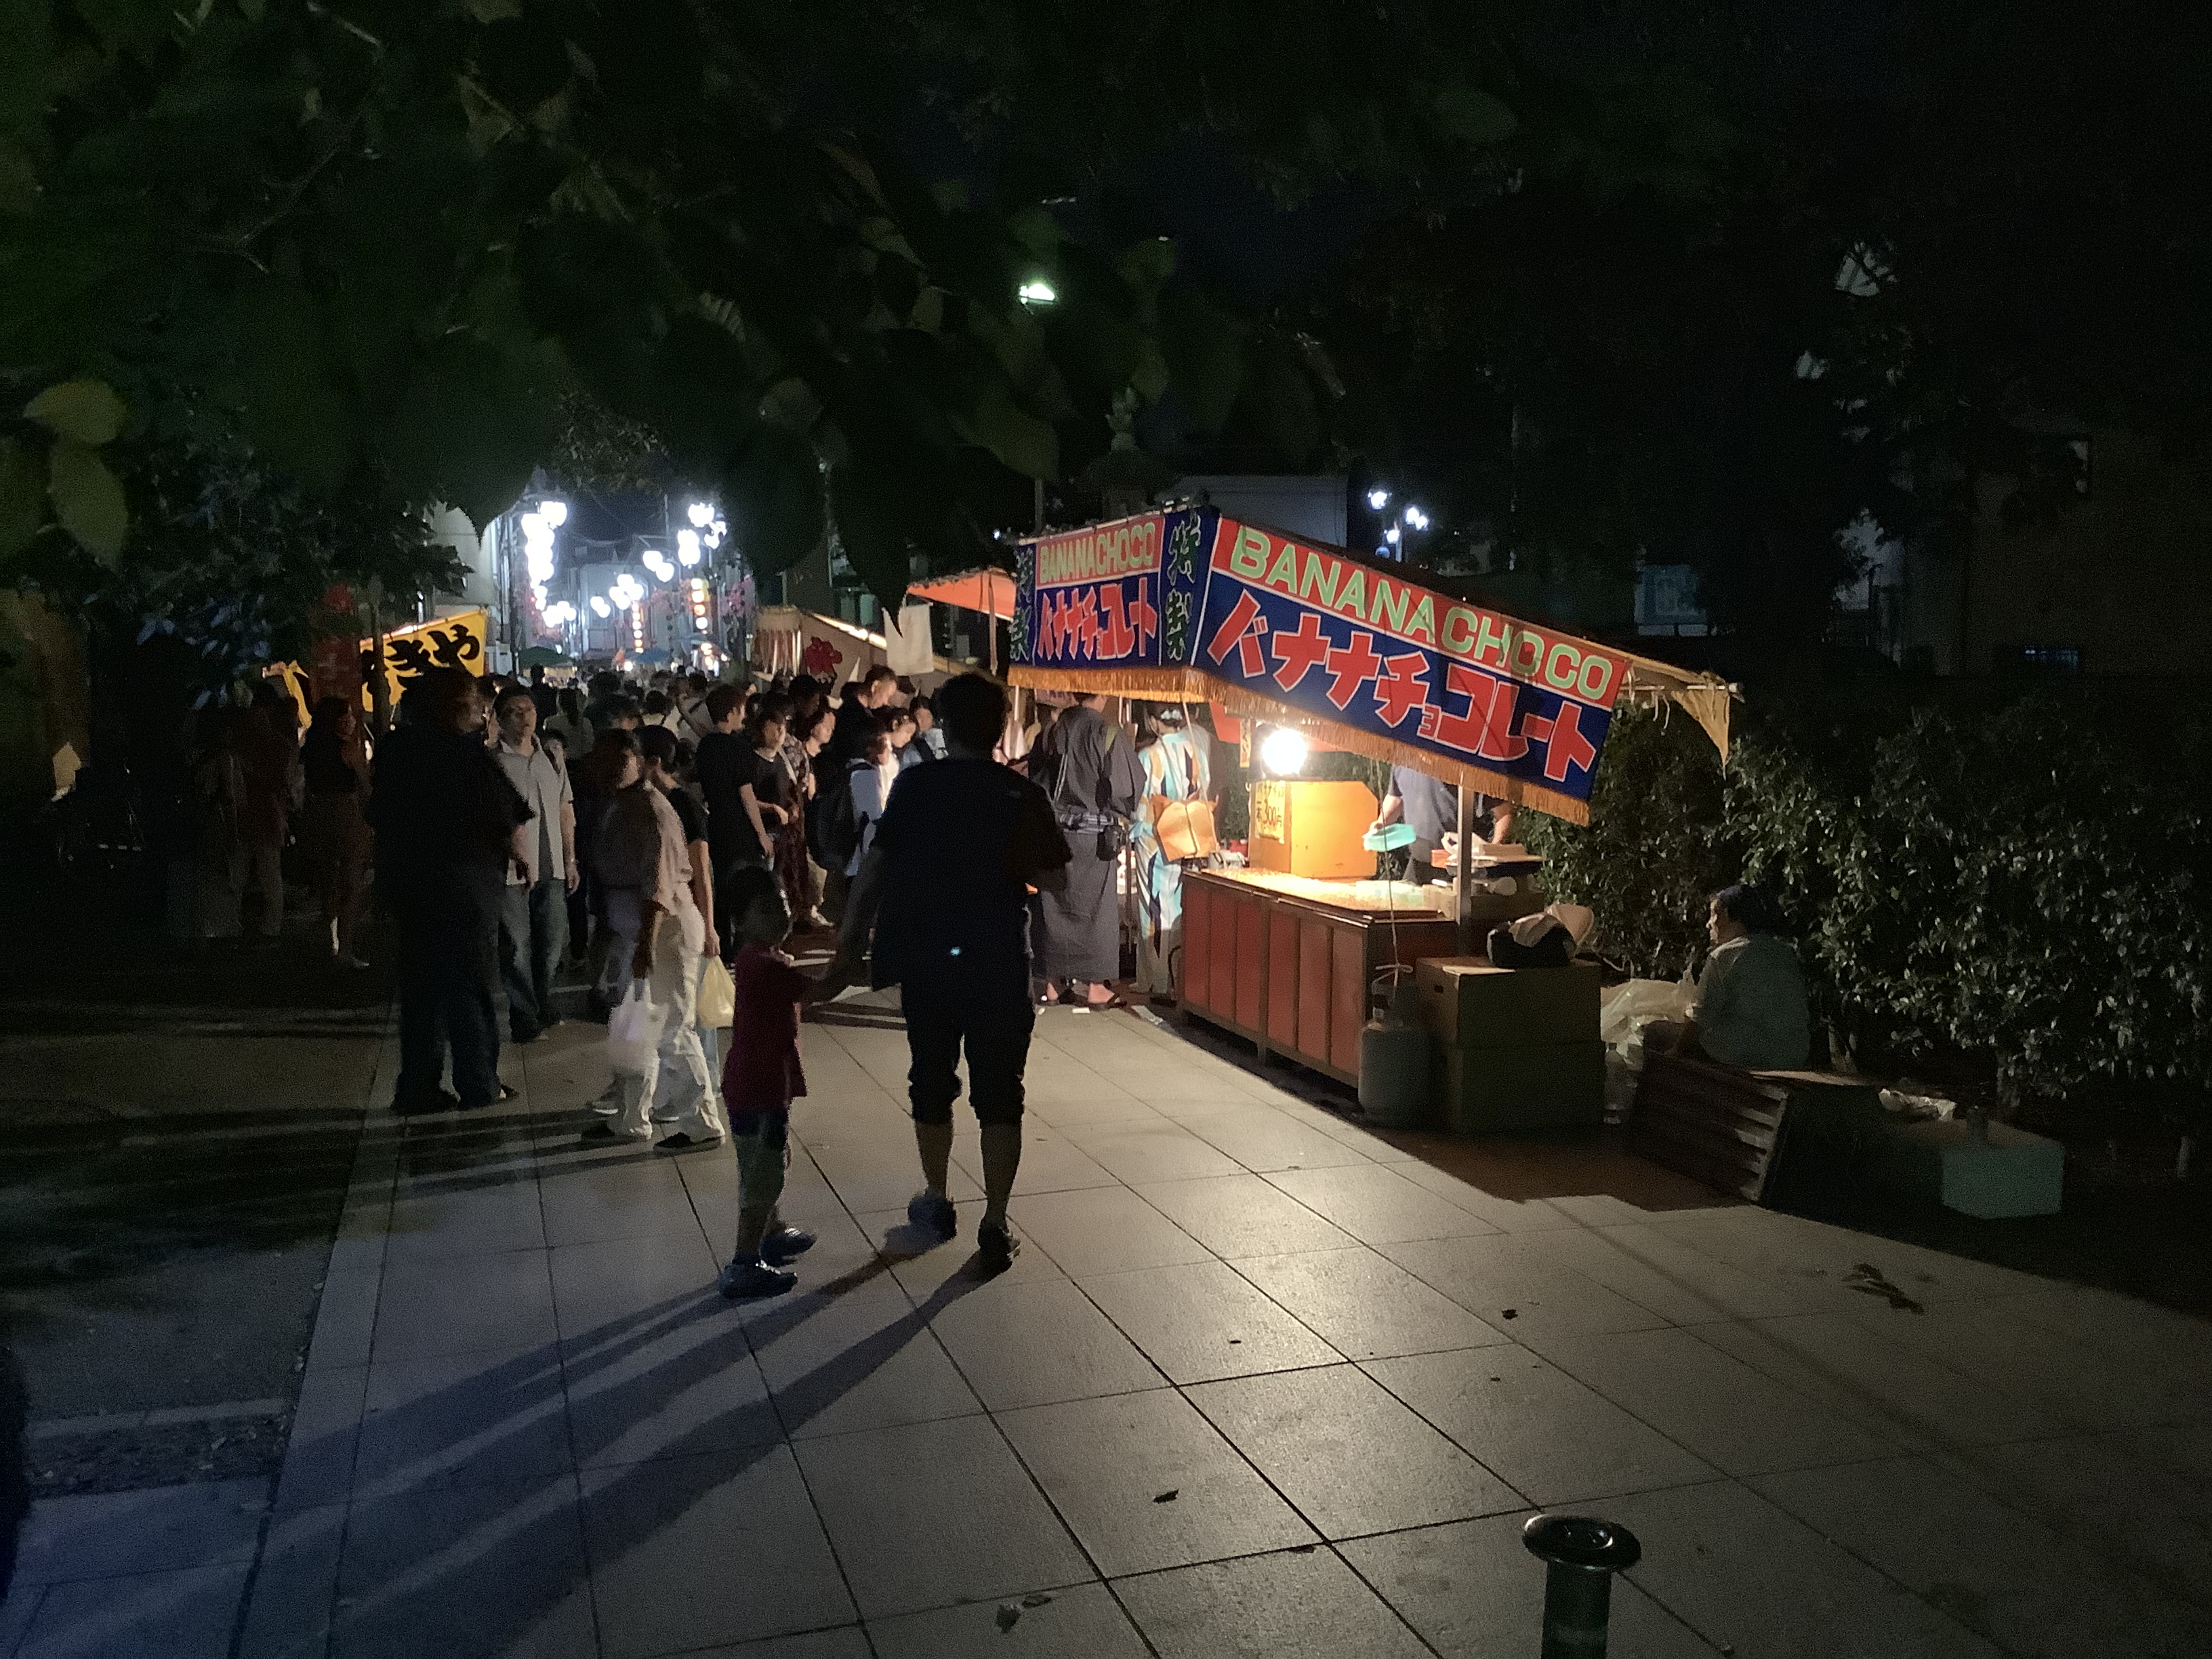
{"x":1283,"y":1023}
{"x":1251,"y":921}
{"x":1197,"y":901}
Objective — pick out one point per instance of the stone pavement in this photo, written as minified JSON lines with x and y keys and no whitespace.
{"x":1260,"y":1383}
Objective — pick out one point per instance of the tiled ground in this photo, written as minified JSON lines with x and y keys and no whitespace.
{"x":1260,"y":1384}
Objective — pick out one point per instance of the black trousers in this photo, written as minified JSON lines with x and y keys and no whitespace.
{"x":983,"y":1007}
{"x":448,"y":987}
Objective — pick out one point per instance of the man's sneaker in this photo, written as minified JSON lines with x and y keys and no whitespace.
{"x":742,"y":1280}
{"x":434,"y":1100}
{"x":786,"y":1244}
{"x":996,"y":1242}
{"x":933,"y":1214}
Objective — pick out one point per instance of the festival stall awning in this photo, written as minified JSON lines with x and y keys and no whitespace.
{"x":789,"y":641}
{"x":990,"y":591}
{"x":1186,"y":602}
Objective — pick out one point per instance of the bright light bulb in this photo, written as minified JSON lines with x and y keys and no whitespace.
{"x":687,"y":546}
{"x":1283,"y":751}
{"x":1391,"y":535}
{"x":554,"y":512}
{"x":1036,"y":292}
{"x":700,"y":514}
{"x":1378,"y":499}
{"x":533,"y":526}
{"x":600,"y":607}
{"x":721,"y":529}
{"x":1416,"y":518}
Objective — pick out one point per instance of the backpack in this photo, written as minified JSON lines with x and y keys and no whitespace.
{"x":626,"y":847}
{"x":836,"y":832}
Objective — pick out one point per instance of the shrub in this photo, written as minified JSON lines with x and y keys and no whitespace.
{"x":2001,"y":884}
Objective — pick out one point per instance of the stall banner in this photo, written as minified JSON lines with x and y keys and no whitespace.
{"x":455,"y":642}
{"x":1092,"y":598}
{"x":1356,"y":646}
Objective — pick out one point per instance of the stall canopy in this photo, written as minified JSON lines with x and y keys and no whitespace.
{"x":1186,"y":602}
{"x":991,"y":591}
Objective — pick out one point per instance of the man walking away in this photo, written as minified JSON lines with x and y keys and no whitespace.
{"x":448,"y":827}
{"x":1092,"y":777}
{"x":958,"y":848}
{"x":724,"y":766}
{"x":534,"y":924}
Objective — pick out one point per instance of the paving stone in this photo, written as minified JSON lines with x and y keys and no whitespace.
{"x":1365,"y":1306}
{"x":470,"y":1418}
{"x":1104,"y":1231}
{"x":186,"y":1614}
{"x":1658,"y":1270}
{"x":1201,"y":1320}
{"x":1736,"y":1419}
{"x":933,"y":1513}
{"x":503,"y":1302}
{"x":1260,"y":1137}
{"x":1051,"y":1163}
{"x":1034,"y":1342}
{"x":1514,"y":1285}
{"x":685,"y":1386}
{"x":859,"y":1367}
{"x":1241,"y":1215}
{"x":1505,"y":1214}
{"x":1473,"y":1591}
{"x":601,"y":1288}
{"x":287,"y":1611}
{"x":1265,"y":1606}
{"x":1165,"y":1152}
{"x":103,"y":1534}
{"x":470,"y":1221}
{"x":1744,"y":1575}
{"x":319,"y":1456}
{"x":491,"y":1570}
{"x":1547,"y":1436}
{"x":1146,"y":1482}
{"x":1867,"y":1374}
{"x":1075,"y":1621}
{"x":345,"y":1319}
{"x":1992,"y":1569}
{"x":1347,"y":1453}
{"x":848,"y":1642}
{"x":1377,"y":1204}
{"x":690,"y":1552}
{"x":628,"y":1192}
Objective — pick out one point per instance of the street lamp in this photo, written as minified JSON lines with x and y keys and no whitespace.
{"x":600,"y":608}
{"x":1037,"y":292}
{"x":687,"y":547}
{"x":1378,"y":498}
{"x":700,"y":514}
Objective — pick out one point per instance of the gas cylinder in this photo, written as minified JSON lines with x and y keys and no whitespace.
{"x":1394,"y":1055}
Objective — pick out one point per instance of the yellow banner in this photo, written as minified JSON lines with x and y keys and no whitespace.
{"x":463,"y":640}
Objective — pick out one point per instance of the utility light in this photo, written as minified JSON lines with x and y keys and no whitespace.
{"x":1415,"y":517}
{"x":700,"y":514}
{"x":1283,"y":751}
{"x":555,"y":512}
{"x":687,"y":547}
{"x":1037,"y":292}
{"x":1378,"y":498}
{"x":600,"y":607}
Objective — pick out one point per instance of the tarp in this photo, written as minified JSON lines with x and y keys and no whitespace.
{"x":1188,"y":603}
{"x":990,"y":591}
{"x":789,"y":641}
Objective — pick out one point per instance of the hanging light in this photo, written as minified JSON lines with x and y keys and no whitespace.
{"x":700,"y":514}
{"x":687,"y":547}
{"x":600,"y":607}
{"x":1283,"y":751}
{"x":555,"y":512}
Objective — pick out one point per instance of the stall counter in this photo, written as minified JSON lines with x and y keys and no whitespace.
{"x":1286,"y":961}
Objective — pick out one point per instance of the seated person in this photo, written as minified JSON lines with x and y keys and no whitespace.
{"x":1750,"y":1009}
{"x":1548,"y":938}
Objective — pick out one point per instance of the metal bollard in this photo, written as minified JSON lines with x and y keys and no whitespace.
{"x":1581,"y":1555}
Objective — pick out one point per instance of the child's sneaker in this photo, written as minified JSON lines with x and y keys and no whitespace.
{"x":786,"y":1244}
{"x":997,"y":1242}
{"x":743,"y":1279}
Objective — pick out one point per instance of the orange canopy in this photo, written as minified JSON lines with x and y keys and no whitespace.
{"x":988,"y":589}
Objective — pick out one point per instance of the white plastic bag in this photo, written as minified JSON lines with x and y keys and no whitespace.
{"x":629,"y":1032}
{"x":717,"y":996}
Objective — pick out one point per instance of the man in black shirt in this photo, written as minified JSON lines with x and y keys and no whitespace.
{"x":856,"y":714}
{"x":448,"y":828}
{"x":946,"y":885}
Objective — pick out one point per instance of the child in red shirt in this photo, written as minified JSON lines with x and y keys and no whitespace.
{"x":760,"y":1080}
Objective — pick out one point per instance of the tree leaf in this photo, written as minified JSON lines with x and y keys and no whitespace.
{"x":88,"y":499}
{"x":871,"y":532}
{"x":772,"y":495}
{"x":83,"y":412}
{"x":23,"y":496}
{"x":1473,"y":117}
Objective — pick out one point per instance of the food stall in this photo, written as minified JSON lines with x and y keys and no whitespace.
{"x":1185,"y":603}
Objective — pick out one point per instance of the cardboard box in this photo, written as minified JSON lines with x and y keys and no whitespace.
{"x":1312,"y":827}
{"x":1468,"y":1003}
{"x":2013,"y":1173}
{"x":1552,"y":1086}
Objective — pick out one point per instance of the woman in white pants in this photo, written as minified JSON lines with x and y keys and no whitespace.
{"x":670,"y":940}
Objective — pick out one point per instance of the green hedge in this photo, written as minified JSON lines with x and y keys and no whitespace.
{"x":2007,"y":886}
